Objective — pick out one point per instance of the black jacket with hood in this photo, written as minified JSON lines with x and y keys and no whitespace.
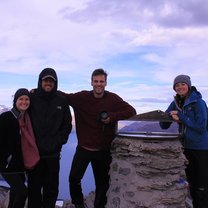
{"x":50,"y":116}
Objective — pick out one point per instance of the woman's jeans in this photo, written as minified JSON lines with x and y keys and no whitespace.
{"x":18,"y":189}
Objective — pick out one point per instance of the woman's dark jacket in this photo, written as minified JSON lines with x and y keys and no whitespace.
{"x":11,"y":159}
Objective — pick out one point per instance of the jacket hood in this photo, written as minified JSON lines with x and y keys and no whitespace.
{"x":47,"y":72}
{"x":195,"y":94}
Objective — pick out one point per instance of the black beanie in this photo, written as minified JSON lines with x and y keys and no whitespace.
{"x":182,"y":78}
{"x":20,"y":92}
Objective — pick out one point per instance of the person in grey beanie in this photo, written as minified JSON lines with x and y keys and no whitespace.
{"x":182,"y":78}
{"x":189,"y":110}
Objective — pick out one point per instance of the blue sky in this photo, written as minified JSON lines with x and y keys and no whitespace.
{"x":142,"y":44}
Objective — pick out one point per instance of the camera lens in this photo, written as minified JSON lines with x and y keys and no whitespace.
{"x":103,"y":115}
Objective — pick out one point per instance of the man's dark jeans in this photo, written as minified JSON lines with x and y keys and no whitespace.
{"x":43,"y":182}
{"x":100,"y":162}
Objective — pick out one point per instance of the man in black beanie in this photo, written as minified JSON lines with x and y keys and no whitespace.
{"x":51,"y":119}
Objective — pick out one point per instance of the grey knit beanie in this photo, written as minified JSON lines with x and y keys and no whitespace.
{"x":182,"y":78}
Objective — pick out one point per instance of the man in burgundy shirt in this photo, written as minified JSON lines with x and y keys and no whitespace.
{"x":96,"y":115}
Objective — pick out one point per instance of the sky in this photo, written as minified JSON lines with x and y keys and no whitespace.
{"x":142,"y":44}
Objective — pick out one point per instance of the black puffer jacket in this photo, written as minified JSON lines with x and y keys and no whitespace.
{"x":11,"y":159}
{"x":51,"y":117}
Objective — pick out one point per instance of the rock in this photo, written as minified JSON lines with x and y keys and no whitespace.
{"x":147,"y":174}
{"x":89,"y":200}
{"x":3,"y":196}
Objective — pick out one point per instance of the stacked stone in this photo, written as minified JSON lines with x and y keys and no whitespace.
{"x":147,"y":173}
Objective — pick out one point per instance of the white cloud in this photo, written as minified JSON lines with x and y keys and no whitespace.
{"x":143,"y":44}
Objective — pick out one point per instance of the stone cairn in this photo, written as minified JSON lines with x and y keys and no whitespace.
{"x":147,"y":173}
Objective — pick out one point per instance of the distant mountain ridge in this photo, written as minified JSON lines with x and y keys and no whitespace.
{"x":3,"y":108}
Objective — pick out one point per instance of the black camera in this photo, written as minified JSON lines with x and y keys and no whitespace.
{"x":102,"y":115}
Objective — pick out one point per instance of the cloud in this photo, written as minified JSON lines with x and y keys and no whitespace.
{"x":133,"y":13}
{"x":142,"y":44}
{"x":71,"y":35}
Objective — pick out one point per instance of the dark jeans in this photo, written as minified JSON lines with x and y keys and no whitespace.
{"x":18,"y":189}
{"x":197,"y":176}
{"x":43,"y":182}
{"x":100,"y":162}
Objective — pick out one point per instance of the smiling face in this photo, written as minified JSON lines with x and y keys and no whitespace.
{"x":182,"y":89}
{"x":23,"y":103}
{"x":98,"y":83}
{"x":48,"y":84}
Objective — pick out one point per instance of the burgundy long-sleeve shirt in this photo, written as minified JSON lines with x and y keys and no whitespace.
{"x":91,"y":132}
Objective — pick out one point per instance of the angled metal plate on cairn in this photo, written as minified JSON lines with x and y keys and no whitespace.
{"x":156,"y":115}
{"x":146,"y":126}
